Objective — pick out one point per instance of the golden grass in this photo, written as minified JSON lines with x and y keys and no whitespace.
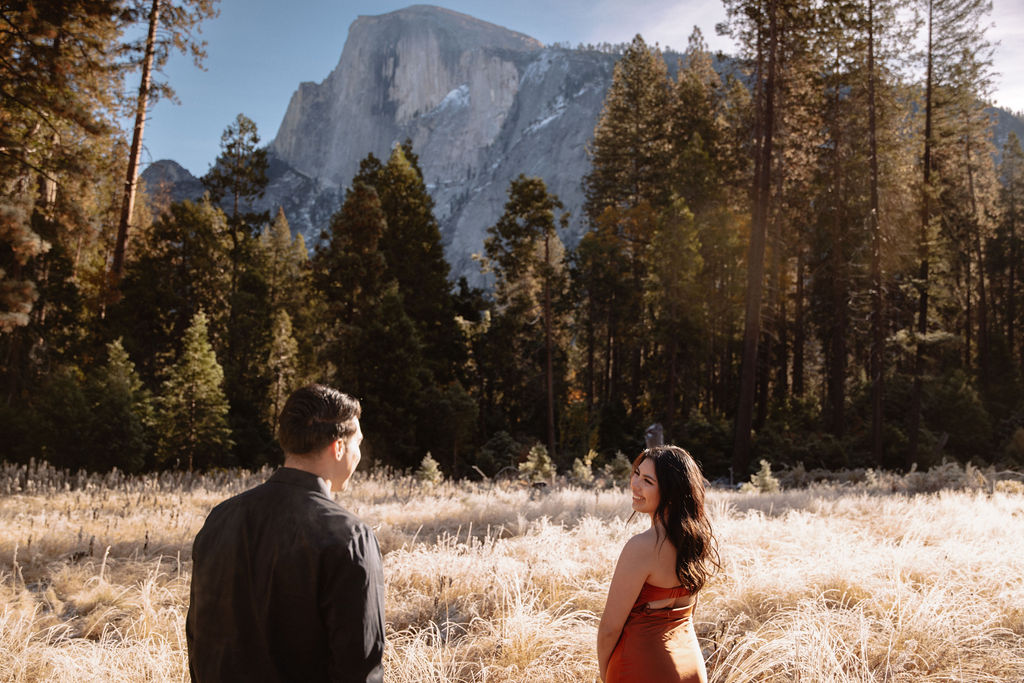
{"x":490,"y":583}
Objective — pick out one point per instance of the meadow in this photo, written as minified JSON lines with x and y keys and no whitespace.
{"x":877,"y":577}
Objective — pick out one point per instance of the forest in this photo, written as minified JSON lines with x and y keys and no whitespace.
{"x":812,"y":258}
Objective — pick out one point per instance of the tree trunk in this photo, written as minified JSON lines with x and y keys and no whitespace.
{"x":922,"y":247}
{"x":837,"y":349}
{"x":800,"y":334}
{"x":547,"y":344}
{"x":877,"y":336}
{"x":131,"y":181}
{"x":755,"y":262}
{"x":1011,"y":303}
{"x":979,"y":254}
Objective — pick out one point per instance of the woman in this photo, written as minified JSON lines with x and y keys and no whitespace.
{"x":646,"y":633}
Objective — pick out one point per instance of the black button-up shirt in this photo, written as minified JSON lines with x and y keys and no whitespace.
{"x":286,"y":586}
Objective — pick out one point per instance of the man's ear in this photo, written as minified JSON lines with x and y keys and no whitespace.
{"x":339,"y":449}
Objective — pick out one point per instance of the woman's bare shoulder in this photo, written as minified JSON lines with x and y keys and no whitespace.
{"x":644,"y":543}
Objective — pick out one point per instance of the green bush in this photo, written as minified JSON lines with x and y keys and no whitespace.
{"x":762,"y":481}
{"x":538,"y":466}
{"x":582,"y":470}
{"x":619,"y":470}
{"x":500,"y":451}
{"x":429,"y":472}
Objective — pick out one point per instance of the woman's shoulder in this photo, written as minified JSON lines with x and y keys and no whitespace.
{"x":643,"y":543}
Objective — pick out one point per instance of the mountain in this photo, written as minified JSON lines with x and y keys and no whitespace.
{"x":480,"y":103}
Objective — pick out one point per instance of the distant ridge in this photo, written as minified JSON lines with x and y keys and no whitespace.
{"x":480,"y":103}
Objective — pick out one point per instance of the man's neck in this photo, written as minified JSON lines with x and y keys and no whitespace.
{"x":313,"y":465}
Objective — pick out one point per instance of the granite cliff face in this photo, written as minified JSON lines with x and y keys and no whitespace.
{"x":482,"y":104}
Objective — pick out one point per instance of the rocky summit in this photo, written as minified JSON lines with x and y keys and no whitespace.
{"x":480,"y":103}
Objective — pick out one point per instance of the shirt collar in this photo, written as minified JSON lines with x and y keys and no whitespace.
{"x":300,"y":478}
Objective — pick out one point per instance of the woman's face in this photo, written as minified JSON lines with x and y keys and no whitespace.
{"x":644,"y":485}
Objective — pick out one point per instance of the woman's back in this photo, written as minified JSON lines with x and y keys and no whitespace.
{"x":658,"y":643}
{"x":661,"y":556}
{"x":646,"y":633}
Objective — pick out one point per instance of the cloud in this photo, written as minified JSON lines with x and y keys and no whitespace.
{"x":666,"y":22}
{"x":1008,"y":29}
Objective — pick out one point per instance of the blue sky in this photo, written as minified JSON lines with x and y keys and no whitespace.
{"x":260,"y":50}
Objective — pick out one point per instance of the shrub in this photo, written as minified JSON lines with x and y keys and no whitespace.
{"x":618,"y":470}
{"x":1010,"y":486}
{"x":537,"y":466}
{"x":762,"y":481}
{"x":429,"y":472}
{"x":500,"y":451}
{"x":582,"y":470}
{"x":1015,"y":448}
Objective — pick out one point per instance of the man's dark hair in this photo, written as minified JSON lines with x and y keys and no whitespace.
{"x":313,"y":417}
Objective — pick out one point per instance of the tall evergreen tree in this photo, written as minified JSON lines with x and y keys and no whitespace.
{"x":673,"y":296}
{"x":956,"y":59}
{"x":284,"y":261}
{"x":192,"y":418}
{"x":59,"y":69}
{"x":371,"y":346}
{"x":414,"y":257}
{"x":121,"y":411}
{"x":763,"y":29}
{"x":630,"y":151}
{"x":526,"y":256}
{"x":282,"y":362}
{"x":239,"y":175}
{"x":184,"y":268}
{"x":170,"y":26}
{"x":1007,"y":271}
{"x":348,"y":272}
{"x":629,"y":183}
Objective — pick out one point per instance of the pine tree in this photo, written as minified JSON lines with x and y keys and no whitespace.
{"x":629,"y":183}
{"x":59,"y":69}
{"x":526,"y":256}
{"x":414,"y":257}
{"x":184,"y":268}
{"x":672,"y":294}
{"x":889,"y":212}
{"x":121,"y":410}
{"x":762,"y":32}
{"x":287,"y":274}
{"x":170,"y":25}
{"x":1008,"y":274}
{"x":393,"y":382}
{"x":371,"y":347}
{"x":697,"y":136}
{"x":284,"y":262}
{"x":281,"y":364}
{"x":348,"y":272}
{"x":239,"y":175}
{"x":957,"y":59}
{"x":192,"y":416}
{"x":630,"y":151}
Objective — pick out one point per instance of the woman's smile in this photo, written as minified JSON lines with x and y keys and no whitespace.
{"x":644,"y":487}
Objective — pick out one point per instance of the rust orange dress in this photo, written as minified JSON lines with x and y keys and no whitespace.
{"x":657,"y":645}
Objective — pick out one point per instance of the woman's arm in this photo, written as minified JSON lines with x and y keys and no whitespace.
{"x":631,"y":571}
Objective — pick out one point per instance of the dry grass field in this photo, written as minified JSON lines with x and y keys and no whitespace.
{"x":862,"y":581}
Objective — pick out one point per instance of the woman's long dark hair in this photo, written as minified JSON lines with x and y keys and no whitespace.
{"x":681,"y":511}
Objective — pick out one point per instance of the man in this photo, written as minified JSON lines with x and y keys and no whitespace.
{"x":287,"y":584}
